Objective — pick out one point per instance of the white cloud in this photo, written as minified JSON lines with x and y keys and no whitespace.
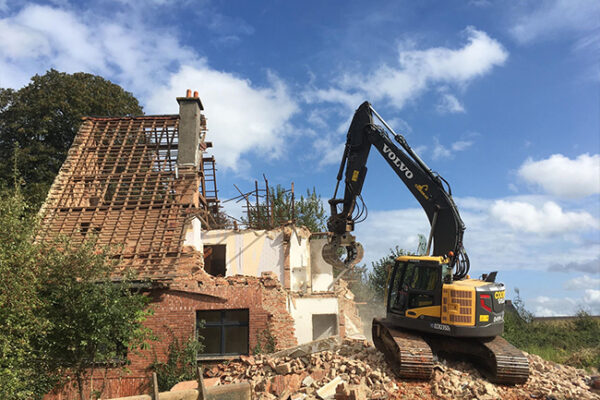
{"x":461,"y":145}
{"x":329,"y":152}
{"x":449,"y":104}
{"x":564,"y":177}
{"x":331,"y":95}
{"x":44,"y":37}
{"x":547,"y":219}
{"x":592,"y":300}
{"x":591,"y":265}
{"x":490,"y":243}
{"x":241,"y":117}
{"x":440,"y":151}
{"x":551,"y":18}
{"x":582,"y":283}
{"x":416,"y":70}
{"x":400,"y":227}
{"x":544,"y":306}
{"x":154,"y":65}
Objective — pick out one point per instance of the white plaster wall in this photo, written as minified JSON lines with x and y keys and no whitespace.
{"x":302,"y":310}
{"x":321,"y":272}
{"x":249,"y":252}
{"x":299,"y":263}
{"x":193,"y":234}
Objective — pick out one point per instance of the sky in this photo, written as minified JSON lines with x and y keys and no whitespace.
{"x":502,"y":98}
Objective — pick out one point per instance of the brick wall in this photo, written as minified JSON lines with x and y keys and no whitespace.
{"x":175,"y":316}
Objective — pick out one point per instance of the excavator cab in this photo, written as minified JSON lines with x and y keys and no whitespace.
{"x":416,"y":286}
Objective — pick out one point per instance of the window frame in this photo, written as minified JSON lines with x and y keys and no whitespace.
{"x":223,"y":324}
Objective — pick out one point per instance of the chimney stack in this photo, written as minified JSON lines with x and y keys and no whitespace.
{"x":188,"y":152}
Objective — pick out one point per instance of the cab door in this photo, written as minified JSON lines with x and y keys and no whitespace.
{"x":414,"y":285}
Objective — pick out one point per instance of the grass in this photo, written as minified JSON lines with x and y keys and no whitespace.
{"x":573,"y":342}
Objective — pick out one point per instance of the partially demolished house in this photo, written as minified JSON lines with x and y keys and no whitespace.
{"x":146,"y":185}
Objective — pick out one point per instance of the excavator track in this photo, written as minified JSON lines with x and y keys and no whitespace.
{"x":511,"y":366}
{"x":409,"y":355}
{"x":499,"y":360}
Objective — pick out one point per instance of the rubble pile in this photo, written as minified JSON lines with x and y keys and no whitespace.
{"x":547,"y":380}
{"x":355,"y":370}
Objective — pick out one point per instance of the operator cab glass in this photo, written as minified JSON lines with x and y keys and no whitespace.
{"x":415,"y":284}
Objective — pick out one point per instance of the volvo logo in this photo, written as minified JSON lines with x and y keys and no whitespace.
{"x":397,"y":162}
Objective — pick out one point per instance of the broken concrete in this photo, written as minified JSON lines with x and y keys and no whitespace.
{"x":329,"y":389}
{"x":305,"y":349}
{"x":368,"y":376}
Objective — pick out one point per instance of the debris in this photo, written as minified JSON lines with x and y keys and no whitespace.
{"x":361,"y":372}
{"x":328,"y":391}
{"x":315,"y":346}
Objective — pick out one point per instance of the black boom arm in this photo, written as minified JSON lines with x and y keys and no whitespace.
{"x":426,"y":186}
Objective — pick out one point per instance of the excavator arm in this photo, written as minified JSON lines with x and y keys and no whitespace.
{"x":426,"y":186}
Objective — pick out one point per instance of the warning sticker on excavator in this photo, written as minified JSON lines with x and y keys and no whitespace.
{"x":354,"y":176}
{"x":484,"y":318}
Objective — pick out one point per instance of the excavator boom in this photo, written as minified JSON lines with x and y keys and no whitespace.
{"x":426,"y":186}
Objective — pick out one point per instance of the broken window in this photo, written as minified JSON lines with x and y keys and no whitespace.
{"x":225,"y":332}
{"x":324,"y":326}
{"x":214,"y":259}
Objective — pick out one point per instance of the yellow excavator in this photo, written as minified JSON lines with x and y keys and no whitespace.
{"x":433,"y":306}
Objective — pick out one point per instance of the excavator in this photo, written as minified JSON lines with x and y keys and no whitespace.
{"x":432,"y":304}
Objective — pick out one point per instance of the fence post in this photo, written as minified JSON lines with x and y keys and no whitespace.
{"x":154,"y":386}
{"x":201,"y":389}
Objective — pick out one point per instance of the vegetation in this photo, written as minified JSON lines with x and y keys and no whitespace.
{"x":42,"y":118}
{"x":371,"y":285}
{"x":22,"y":366}
{"x":265,"y":343}
{"x":574,"y":342}
{"x":60,"y":313}
{"x":181,"y":363}
{"x":307,"y":211}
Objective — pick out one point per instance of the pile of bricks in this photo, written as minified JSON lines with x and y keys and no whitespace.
{"x":355,"y":370}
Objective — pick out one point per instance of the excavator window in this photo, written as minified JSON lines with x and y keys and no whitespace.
{"x":413,"y":286}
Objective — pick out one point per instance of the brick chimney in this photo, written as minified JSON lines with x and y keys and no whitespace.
{"x":188,"y":152}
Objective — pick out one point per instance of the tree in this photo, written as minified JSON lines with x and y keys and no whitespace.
{"x":60,"y":311}
{"x":43,"y":117}
{"x":93,"y":319}
{"x":21,"y":364}
{"x":377,"y":278}
{"x":371,"y":285}
{"x":307,"y":211}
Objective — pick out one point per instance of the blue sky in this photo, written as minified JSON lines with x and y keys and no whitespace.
{"x":501,"y":98}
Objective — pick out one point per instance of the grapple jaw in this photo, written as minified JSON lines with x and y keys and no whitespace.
{"x":342,"y":251}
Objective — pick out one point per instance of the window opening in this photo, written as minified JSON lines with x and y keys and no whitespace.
{"x":225,"y":332}
{"x":324,"y":326}
{"x":215,"y":259}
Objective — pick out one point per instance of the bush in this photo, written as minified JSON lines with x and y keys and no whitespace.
{"x":574,"y":342}
{"x":181,"y":363}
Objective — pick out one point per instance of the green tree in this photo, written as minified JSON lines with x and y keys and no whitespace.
{"x":94,"y":319}
{"x":60,"y":312}
{"x":21,"y":364}
{"x":307,"y":211}
{"x":42,"y":119}
{"x":377,"y":277}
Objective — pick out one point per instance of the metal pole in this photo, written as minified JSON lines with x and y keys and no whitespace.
{"x":257,"y":205}
{"x":293,"y":204}
{"x":435,"y":215}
